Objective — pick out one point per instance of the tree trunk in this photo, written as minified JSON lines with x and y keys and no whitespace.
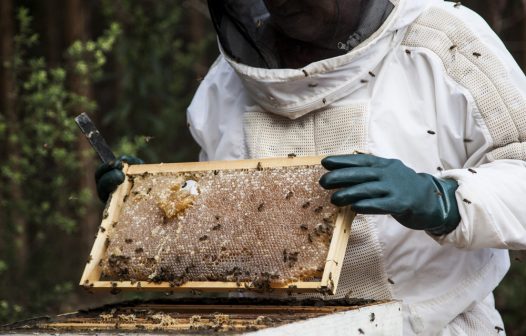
{"x":197,"y":33}
{"x":53,"y":37}
{"x":76,"y":25}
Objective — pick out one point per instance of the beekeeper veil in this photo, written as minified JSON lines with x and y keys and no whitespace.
{"x":248,"y":35}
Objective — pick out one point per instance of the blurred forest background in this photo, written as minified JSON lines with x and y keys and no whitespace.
{"x":133,"y":65}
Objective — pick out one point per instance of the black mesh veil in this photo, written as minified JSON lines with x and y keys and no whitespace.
{"x":247,"y":33}
{"x":243,"y":31}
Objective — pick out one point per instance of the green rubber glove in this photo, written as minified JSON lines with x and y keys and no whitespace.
{"x":109,"y":175}
{"x":378,"y":186}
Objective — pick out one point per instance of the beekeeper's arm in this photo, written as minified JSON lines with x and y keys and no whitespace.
{"x":491,"y":192}
{"x":491,"y":196}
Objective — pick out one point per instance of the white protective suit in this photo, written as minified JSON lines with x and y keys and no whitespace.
{"x":433,"y":87}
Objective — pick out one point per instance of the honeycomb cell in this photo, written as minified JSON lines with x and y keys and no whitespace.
{"x":248,"y":225}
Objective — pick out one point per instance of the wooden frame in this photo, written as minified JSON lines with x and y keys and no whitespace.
{"x":92,"y":272}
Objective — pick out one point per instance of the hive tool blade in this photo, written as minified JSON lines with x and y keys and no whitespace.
{"x":95,"y":138}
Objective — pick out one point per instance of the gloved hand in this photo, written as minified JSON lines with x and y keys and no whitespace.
{"x":374,"y":185}
{"x":109,"y":175}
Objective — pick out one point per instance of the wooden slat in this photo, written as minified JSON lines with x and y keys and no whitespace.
{"x":205,"y":286}
{"x":224,"y":165}
{"x":92,"y":271}
{"x":333,"y":266}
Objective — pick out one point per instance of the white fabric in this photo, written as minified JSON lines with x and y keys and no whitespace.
{"x":410,"y":94}
{"x":387,"y":321}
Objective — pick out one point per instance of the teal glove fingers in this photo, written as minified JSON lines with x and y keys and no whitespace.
{"x":346,"y":177}
{"x":345,"y":161}
{"x":374,"y":185}
{"x":109,"y":175}
{"x":375,"y":206}
{"x":108,"y":183}
{"x":106,"y":167}
{"x":131,"y":160}
{"x":352,"y":195}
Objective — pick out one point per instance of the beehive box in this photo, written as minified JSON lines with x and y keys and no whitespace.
{"x":223,"y":317}
{"x":251,"y":225}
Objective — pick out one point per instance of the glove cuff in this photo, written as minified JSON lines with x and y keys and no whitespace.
{"x":449,"y":207}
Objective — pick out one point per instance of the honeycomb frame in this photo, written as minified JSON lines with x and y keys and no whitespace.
{"x":91,"y":277}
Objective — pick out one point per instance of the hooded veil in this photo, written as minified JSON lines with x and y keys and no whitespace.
{"x":247,"y":34}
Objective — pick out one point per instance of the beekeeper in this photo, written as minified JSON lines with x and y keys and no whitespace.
{"x":434,"y":102}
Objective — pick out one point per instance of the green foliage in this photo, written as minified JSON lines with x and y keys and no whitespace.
{"x":157,"y":70}
{"x":8,"y":310}
{"x":40,"y":173}
{"x":90,"y":56}
{"x":46,"y":135}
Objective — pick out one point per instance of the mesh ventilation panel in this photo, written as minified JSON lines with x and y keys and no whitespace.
{"x":474,"y":322}
{"x":514,"y":151}
{"x":330,"y":131}
{"x":473,"y":65}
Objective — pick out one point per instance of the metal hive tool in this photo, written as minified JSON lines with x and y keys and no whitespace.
{"x":257,"y":225}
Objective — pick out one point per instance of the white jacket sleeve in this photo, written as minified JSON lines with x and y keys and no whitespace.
{"x":215,"y":112}
{"x":491,"y":204}
{"x":492,"y":186}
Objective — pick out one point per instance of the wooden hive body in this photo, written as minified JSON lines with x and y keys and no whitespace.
{"x":256,"y":225}
{"x":223,"y":317}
